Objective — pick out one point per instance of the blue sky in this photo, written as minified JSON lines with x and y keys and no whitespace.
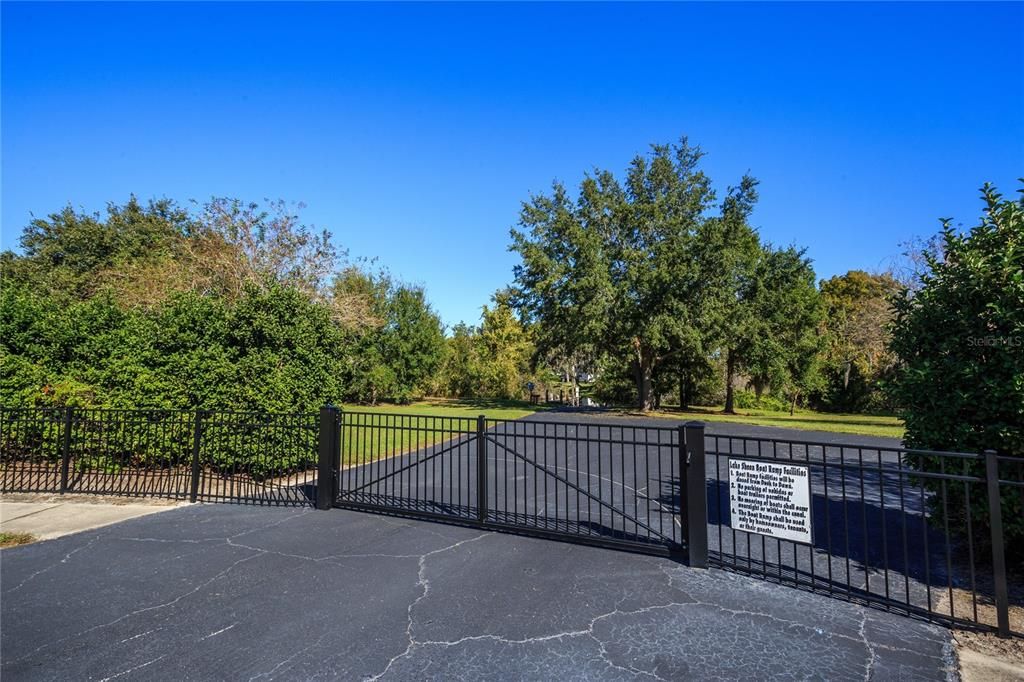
{"x":413,"y":132}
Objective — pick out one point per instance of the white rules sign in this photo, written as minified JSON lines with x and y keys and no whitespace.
{"x":770,"y":498}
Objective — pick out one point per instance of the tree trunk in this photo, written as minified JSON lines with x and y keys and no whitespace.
{"x":638,"y":380}
{"x":730,"y":371}
{"x":846,"y":375}
{"x":574,"y":382}
{"x":646,"y":384}
{"x":792,"y":405}
{"x":758,"y":388}
{"x":684,"y":390}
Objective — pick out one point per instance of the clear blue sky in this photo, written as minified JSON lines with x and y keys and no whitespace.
{"x":413,"y":132}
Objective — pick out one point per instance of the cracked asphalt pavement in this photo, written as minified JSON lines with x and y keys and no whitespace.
{"x":233,"y":592}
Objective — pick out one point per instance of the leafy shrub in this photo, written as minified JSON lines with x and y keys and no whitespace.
{"x":748,"y":400}
{"x":959,"y":339}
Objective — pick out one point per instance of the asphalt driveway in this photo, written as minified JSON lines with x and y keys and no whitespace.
{"x":235,"y":592}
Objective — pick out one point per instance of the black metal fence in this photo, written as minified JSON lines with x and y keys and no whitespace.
{"x":910,"y":531}
{"x":245,"y":457}
{"x":587,"y":482}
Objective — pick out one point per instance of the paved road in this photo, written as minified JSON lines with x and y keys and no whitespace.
{"x":235,"y":592}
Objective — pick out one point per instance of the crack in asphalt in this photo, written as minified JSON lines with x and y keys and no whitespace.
{"x":672,"y":573}
{"x":870,"y":663}
{"x":415,"y":644}
{"x":133,"y":669}
{"x":289,"y":659}
{"x":421,"y":581}
{"x":862,"y":634}
{"x":156,"y":606}
{"x":53,"y":565}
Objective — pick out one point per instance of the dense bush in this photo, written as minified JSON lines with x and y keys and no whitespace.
{"x":749,"y":400}
{"x":233,"y":307}
{"x":959,"y":339}
{"x":271,"y":350}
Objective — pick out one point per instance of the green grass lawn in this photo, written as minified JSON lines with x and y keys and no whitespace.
{"x":373,"y":432}
{"x":455,"y":407}
{"x":15,"y":539}
{"x":808,"y":420}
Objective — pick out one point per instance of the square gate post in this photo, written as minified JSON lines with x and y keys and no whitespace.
{"x":695,"y":493}
{"x":995,"y":521}
{"x":328,"y":441}
{"x":481,"y":469}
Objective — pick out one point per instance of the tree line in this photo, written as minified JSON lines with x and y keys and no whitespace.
{"x":634,"y":291}
{"x":649,"y":289}
{"x":642,"y":290}
{"x":224,"y":305}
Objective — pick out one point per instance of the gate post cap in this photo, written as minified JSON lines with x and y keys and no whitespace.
{"x":694,"y":424}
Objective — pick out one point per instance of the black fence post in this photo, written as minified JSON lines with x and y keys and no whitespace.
{"x":696,"y":494}
{"x":197,"y":470}
{"x":65,"y":449}
{"x":995,"y":518}
{"x":481,"y":469}
{"x":328,"y":442}
{"x":337,"y":452}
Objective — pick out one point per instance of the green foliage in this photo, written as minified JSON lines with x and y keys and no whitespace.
{"x":269,"y":351}
{"x":67,"y":253}
{"x":783,"y":348}
{"x":492,"y":360}
{"x":412,"y":343}
{"x":155,"y":306}
{"x":646,"y":279}
{"x":462,"y":371}
{"x":394,"y":342}
{"x":748,"y":400}
{"x":959,"y":339}
{"x":616,"y":268}
{"x":856,"y":358}
{"x":616,"y":381}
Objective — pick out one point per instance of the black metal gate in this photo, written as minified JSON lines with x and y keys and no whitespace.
{"x":613,"y":485}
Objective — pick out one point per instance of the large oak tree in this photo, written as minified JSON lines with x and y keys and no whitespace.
{"x":619,"y":268}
